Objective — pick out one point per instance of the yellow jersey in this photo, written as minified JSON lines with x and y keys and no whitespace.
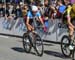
{"x":70,"y":12}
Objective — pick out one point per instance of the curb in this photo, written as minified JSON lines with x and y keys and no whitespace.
{"x":17,"y":36}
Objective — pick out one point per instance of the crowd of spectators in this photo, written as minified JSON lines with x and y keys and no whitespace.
{"x":49,"y":11}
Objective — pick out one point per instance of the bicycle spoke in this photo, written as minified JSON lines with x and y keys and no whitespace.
{"x":39,"y":45}
{"x":26,"y":43}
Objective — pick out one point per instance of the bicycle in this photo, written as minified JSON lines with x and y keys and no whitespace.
{"x":31,"y":39}
{"x":67,"y":47}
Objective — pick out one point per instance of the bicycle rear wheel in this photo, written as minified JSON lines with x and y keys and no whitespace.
{"x":38,"y":45}
{"x":72,"y":54}
{"x":65,"y":43}
{"x":26,"y":43}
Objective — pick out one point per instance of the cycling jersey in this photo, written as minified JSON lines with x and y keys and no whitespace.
{"x":68,"y":10}
{"x":69,"y":13}
{"x":30,"y":14}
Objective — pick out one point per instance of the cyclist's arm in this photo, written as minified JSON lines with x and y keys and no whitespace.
{"x":29,"y":27}
{"x":41,"y":20}
{"x":39,"y":15}
{"x":27,"y":21}
{"x":28,"y":18}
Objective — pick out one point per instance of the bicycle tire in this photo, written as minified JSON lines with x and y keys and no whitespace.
{"x":27,"y":46}
{"x":72,"y":54}
{"x":66,"y":46}
{"x":38,"y":39}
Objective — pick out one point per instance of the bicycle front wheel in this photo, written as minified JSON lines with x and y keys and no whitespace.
{"x":39,"y":45}
{"x":65,"y":43}
{"x":26,"y":43}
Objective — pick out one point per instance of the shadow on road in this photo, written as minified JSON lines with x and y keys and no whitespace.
{"x":21,"y":50}
{"x":45,"y":42}
{"x":18,"y":49}
{"x":55,"y":54}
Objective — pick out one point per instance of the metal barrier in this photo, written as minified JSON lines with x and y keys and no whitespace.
{"x":17,"y":28}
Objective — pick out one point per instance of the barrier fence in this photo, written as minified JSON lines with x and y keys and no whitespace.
{"x":17,"y":28}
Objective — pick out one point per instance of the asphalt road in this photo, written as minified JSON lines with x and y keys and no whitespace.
{"x":11,"y":49}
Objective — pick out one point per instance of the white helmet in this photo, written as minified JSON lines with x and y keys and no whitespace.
{"x":34,"y":8}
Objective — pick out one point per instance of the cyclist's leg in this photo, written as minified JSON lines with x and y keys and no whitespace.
{"x":71,"y":31}
{"x":28,"y":27}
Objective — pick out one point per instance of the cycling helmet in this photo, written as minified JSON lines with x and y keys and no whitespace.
{"x":34,"y":8}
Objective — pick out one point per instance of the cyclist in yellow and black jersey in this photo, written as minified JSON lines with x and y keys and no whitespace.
{"x":70,"y":18}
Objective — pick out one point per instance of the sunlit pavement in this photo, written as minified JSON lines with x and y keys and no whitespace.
{"x":11,"y":49}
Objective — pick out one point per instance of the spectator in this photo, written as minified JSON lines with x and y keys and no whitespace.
{"x":53,"y":12}
{"x":32,"y":2}
{"x":2,"y":10}
{"x":4,"y":7}
{"x":17,"y":12}
{"x":17,"y":1}
{"x":46,"y":16}
{"x":24,"y":12}
{"x":21,"y":5}
{"x":61,"y":8}
{"x":6,"y":22}
{"x":66,"y":2}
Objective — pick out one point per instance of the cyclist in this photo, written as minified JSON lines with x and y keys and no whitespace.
{"x":70,"y":14}
{"x":30,"y":15}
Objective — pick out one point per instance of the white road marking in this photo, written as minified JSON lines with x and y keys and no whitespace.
{"x":4,"y":36}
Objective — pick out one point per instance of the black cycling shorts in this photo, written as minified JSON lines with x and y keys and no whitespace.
{"x":31,"y":21}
